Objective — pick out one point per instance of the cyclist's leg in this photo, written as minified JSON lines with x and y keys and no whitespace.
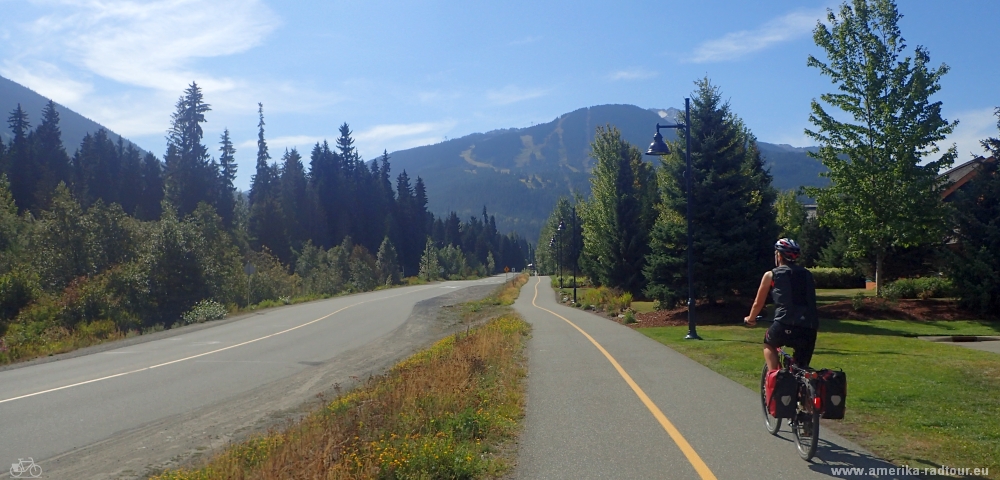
{"x":803,"y":340}
{"x":774,"y":338}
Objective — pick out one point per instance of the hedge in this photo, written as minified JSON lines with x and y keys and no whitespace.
{"x":827,"y":277}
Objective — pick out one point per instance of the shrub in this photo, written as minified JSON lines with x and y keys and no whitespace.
{"x":17,"y":290}
{"x":204,"y":311}
{"x":923,"y":288}
{"x":629,"y":316}
{"x":828,"y":277}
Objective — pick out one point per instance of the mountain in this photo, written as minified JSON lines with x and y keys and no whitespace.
{"x":520,"y":173}
{"x":73,"y":125}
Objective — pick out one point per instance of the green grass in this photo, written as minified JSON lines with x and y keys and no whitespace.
{"x":910,"y":401}
{"x":643,"y":307}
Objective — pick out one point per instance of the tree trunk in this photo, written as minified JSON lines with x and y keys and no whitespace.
{"x":879,"y":257}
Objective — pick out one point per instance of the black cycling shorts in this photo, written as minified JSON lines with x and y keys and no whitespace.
{"x":802,"y":339}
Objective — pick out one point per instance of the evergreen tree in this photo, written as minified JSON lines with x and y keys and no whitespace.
{"x":227,"y":175}
{"x":294,"y":201}
{"x":880,"y":195}
{"x":733,"y":219}
{"x":975,"y":266}
{"x":51,"y":155}
{"x":266,"y":222}
{"x":570,"y":242}
{"x":151,"y":196}
{"x":615,"y":220}
{"x":96,"y":170}
{"x":190,"y":178}
{"x":130,"y":192}
{"x":387,"y":263}
{"x":429,"y":267}
{"x":23,"y":172}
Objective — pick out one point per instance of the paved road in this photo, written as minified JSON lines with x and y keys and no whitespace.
{"x":52,"y":408}
{"x":653,"y":413}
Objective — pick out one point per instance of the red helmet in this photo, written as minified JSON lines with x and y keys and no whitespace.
{"x":788,"y":248}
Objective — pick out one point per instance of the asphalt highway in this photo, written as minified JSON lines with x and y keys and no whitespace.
{"x":51,"y":408}
{"x":605,"y":401}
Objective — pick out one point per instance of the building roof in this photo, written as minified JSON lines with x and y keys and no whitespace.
{"x":960,"y":175}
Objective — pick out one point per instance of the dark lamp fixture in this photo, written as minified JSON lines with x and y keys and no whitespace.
{"x":658,"y":147}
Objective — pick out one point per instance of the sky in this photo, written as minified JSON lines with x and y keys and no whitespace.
{"x":405,"y":74}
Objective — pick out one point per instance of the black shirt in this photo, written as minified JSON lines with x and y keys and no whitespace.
{"x":794,"y":293}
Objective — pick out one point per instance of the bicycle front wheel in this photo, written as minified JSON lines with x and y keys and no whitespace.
{"x":770,"y":423}
{"x":806,"y":425}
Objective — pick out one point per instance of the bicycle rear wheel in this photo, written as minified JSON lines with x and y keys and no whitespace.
{"x":806,"y":425}
{"x":770,"y":423}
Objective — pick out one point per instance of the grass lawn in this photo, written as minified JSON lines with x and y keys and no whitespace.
{"x":831,"y":295}
{"x":910,"y":401}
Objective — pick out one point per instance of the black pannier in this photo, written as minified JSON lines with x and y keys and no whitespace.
{"x":833,"y":391}
{"x":781,"y":393}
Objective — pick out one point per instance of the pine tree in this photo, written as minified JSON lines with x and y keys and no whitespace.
{"x":387,"y":263}
{"x":429,"y":267}
{"x":130,"y":194}
{"x":24,"y":172}
{"x":294,"y":200}
{"x":266,"y":222}
{"x":227,"y":175}
{"x":733,"y":220}
{"x":51,"y":155}
{"x":615,"y":222}
{"x":149,"y":206}
{"x":190,"y":178}
{"x":974,"y":267}
{"x":881,"y":194}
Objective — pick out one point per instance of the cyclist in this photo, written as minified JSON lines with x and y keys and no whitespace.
{"x":795,"y":317}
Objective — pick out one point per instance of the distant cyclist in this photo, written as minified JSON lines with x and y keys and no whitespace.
{"x":795,"y":317}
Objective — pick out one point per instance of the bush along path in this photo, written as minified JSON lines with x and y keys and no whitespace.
{"x":446,"y":412}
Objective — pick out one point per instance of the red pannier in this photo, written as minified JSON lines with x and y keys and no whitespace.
{"x":780,"y":393}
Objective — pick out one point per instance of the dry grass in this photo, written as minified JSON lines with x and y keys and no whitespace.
{"x":445,"y":412}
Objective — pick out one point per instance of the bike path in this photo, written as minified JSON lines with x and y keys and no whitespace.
{"x":585,"y":420}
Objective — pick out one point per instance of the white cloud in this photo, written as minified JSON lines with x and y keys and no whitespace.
{"x":632,"y":74}
{"x":512,"y":94}
{"x":48,"y":80}
{"x":153,"y":44}
{"x":392,"y":131}
{"x":973,"y":127}
{"x":735,"y":45}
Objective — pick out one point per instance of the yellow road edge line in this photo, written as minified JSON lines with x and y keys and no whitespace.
{"x":692,"y":456}
{"x":324,"y":317}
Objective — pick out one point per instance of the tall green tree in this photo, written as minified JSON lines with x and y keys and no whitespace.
{"x":190,"y":178}
{"x":975,"y":266}
{"x":617,"y":219}
{"x":51,"y":156}
{"x":266,"y":222}
{"x":23,"y":169}
{"x":227,"y":175}
{"x":387,"y":263}
{"x":569,"y":241}
{"x":151,"y":197}
{"x":791,"y":214}
{"x":295,"y":201}
{"x":733,"y":219}
{"x":881,"y":195}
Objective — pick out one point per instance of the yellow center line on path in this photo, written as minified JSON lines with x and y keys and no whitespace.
{"x":692,"y":456}
{"x":324,"y":317}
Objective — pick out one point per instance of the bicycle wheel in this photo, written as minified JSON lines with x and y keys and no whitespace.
{"x":806,"y":425}
{"x":35,"y":471}
{"x":770,"y":423}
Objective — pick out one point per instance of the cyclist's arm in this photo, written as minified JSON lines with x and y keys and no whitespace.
{"x":758,"y":303}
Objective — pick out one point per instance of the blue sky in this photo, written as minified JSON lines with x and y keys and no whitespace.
{"x":404,"y":74}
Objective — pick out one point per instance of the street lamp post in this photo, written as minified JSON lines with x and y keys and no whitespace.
{"x":575,"y":253}
{"x":559,"y":230}
{"x":658,"y":147}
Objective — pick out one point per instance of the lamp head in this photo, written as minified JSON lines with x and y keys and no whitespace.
{"x":658,"y":147}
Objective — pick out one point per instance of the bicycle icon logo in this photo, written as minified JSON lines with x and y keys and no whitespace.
{"x":25,"y":469}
